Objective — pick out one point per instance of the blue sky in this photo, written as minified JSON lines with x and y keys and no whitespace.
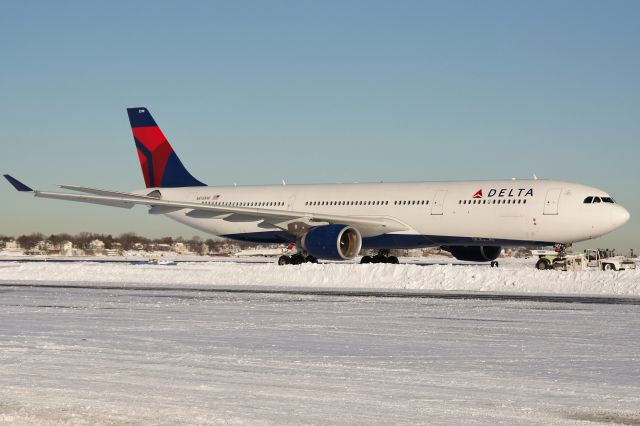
{"x":254,"y":92}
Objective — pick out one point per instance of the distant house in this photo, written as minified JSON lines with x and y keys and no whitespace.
{"x":97,"y":246}
{"x":11,"y":245}
{"x":179,"y":248}
{"x":66,"y":248}
{"x":45,"y":245}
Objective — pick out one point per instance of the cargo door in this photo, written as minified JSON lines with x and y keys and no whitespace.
{"x":437,"y":208}
{"x":551,"y":202}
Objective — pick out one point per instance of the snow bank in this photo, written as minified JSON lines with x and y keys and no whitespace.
{"x":511,"y":277}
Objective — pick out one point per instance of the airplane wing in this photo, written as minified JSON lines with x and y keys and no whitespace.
{"x":294,"y":222}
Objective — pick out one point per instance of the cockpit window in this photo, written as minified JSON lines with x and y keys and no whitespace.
{"x":593,"y":199}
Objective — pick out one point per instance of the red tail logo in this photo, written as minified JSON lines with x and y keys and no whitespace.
{"x":478,"y":194}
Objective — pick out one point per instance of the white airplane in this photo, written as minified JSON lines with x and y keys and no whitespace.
{"x":473,"y":220}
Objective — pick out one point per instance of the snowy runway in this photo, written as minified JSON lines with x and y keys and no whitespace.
{"x":514,"y":276}
{"x":121,"y":356}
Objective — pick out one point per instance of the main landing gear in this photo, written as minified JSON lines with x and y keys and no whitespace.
{"x":381,"y":257}
{"x":296,"y":259}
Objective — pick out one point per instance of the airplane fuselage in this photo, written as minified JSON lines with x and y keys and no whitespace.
{"x":503,"y":212}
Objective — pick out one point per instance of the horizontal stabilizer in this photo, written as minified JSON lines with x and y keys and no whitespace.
{"x":17,"y":184}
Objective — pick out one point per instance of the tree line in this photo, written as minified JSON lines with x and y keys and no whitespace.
{"x":125,"y":241}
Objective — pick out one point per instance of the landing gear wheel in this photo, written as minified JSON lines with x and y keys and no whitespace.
{"x":393,"y":260}
{"x":311,"y":259}
{"x":543,"y":264}
{"x":494,"y":264}
{"x":284,"y":260}
{"x":378,"y":258}
{"x":297,"y":259}
{"x":366,"y":259}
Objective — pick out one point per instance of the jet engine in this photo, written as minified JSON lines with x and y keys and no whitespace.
{"x":475,"y":253}
{"x":333,"y":242}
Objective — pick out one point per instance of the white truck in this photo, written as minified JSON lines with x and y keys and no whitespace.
{"x":590,"y":259}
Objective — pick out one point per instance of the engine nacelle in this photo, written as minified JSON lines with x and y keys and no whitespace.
{"x":475,"y":253}
{"x":333,"y":242}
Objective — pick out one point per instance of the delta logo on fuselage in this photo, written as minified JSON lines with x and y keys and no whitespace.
{"x":505,"y":193}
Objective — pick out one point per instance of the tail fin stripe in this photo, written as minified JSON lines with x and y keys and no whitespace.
{"x":147,"y":169}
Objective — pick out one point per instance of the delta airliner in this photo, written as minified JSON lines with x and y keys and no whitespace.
{"x":473,"y":220}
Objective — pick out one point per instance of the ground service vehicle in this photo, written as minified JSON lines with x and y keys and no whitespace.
{"x":605,"y":260}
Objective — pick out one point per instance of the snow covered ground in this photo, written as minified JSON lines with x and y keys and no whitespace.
{"x":142,"y":356}
{"x":156,"y":347}
{"x":513,"y":276}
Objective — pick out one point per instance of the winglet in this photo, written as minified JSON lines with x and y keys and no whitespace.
{"x":17,"y":184}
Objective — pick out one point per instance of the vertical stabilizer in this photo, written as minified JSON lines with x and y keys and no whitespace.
{"x":160,"y":164}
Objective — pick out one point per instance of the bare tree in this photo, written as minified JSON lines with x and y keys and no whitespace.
{"x":29,"y":241}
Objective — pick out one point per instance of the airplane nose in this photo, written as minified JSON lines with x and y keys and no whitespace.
{"x":620,"y":216}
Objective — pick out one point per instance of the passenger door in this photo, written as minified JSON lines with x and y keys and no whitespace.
{"x":551,"y":202}
{"x":437,"y":208}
